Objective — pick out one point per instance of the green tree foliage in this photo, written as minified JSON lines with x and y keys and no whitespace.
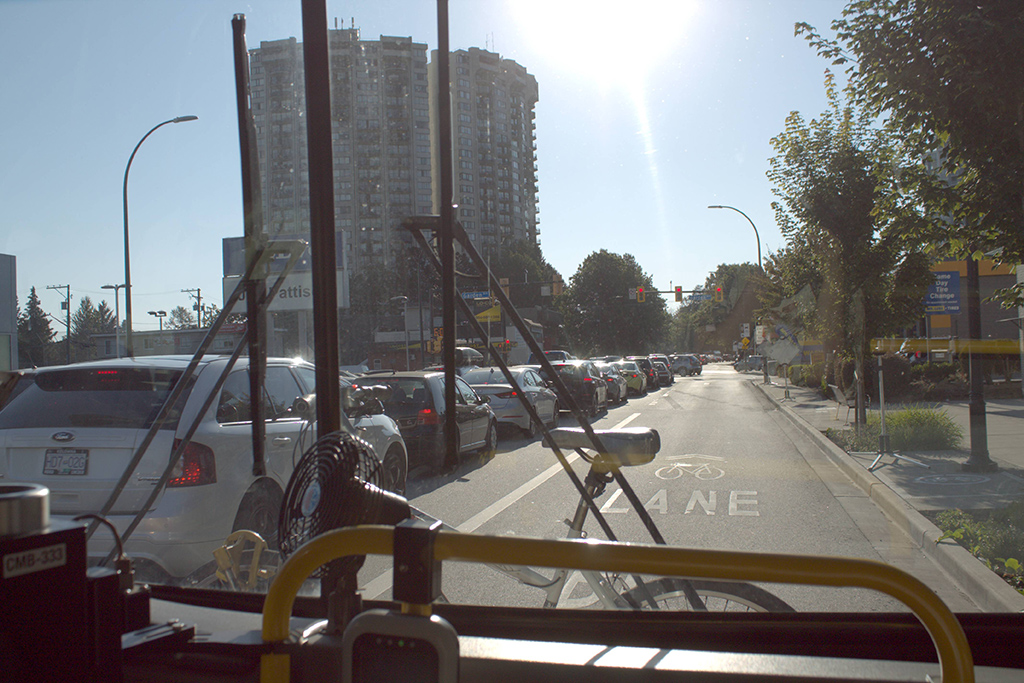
{"x":86,"y":321}
{"x":826,"y":175}
{"x":523,"y":264}
{"x":948,"y":77}
{"x":35,"y":336}
{"x":599,"y":317}
{"x":180,"y":318}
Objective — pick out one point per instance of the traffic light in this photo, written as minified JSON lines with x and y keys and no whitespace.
{"x":679,"y":293}
{"x":718,"y":294}
{"x":640,"y":294}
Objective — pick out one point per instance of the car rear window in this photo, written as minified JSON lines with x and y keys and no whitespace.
{"x":408,"y":396}
{"x":126,"y":398}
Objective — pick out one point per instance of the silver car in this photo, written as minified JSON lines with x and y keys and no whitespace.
{"x":501,"y":396}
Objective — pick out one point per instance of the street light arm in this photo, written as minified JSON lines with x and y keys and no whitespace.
{"x":757,"y":236}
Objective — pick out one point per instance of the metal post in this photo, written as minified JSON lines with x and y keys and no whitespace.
{"x":979,"y":460}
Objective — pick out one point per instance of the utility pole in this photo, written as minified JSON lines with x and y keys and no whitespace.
{"x":66,"y":305}
{"x":196,"y":294}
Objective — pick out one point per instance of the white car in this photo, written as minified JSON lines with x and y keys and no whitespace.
{"x":491,"y":383}
{"x":75,"y":428}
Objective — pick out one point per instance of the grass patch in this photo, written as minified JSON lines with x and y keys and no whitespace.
{"x":912,"y":428}
{"x":996,"y":537}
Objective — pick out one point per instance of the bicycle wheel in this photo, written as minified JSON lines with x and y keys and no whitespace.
{"x":718,"y":596}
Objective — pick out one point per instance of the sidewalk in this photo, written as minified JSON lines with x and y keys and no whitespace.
{"x":903,"y":489}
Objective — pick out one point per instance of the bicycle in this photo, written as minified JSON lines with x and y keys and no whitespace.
{"x":704,"y":471}
{"x":623,"y":448}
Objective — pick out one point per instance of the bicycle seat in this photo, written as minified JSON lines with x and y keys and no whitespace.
{"x":622,"y":447}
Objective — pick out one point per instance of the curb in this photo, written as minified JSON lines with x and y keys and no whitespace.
{"x":984,"y":587}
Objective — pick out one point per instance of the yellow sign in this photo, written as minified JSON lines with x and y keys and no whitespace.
{"x":746,"y":342}
{"x":491,"y":315}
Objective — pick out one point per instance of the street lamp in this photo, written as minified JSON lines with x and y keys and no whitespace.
{"x":160,"y":316}
{"x":764,"y":361}
{"x":127,"y":269}
{"x":117,"y":316}
{"x":756,"y":236}
{"x":404,"y":300}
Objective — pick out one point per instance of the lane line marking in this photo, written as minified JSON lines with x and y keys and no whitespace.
{"x":378,"y":586}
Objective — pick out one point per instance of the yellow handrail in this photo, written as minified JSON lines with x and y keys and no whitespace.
{"x":950,"y":641}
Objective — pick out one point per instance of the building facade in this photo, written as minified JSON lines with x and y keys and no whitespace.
{"x":494,"y":147}
{"x":381,"y":141}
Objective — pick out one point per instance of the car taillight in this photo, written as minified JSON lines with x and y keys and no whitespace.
{"x":428,"y":416}
{"x":588,"y":379}
{"x":506,"y":394}
{"x":195,"y":467}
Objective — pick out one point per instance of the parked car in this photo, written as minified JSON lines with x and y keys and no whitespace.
{"x":663,"y":359}
{"x":645,"y":364}
{"x":585,"y":384}
{"x":618,"y":391}
{"x":553,"y":355}
{"x":686,"y":364}
{"x":636,"y":379}
{"x":665,"y":377}
{"x":504,"y":401}
{"x":416,"y":402}
{"x":75,"y":428}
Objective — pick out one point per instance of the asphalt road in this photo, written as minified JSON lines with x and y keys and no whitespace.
{"x":731,"y":475}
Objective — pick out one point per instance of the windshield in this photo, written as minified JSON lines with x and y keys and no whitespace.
{"x":643,"y":180}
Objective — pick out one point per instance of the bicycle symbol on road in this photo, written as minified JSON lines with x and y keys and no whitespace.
{"x":697,"y":466}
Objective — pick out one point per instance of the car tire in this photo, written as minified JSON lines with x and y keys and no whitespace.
{"x":394,"y":469}
{"x":490,"y":446}
{"x":554,"y":417}
{"x":260,"y":511}
{"x":531,"y":431}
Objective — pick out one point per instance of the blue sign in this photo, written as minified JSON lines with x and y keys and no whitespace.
{"x":476,"y":295}
{"x":944,"y":295}
{"x":700,"y":297}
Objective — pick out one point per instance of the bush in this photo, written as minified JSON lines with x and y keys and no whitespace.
{"x":897,"y":375}
{"x":995,"y":536}
{"x":914,"y":428}
{"x":797,"y":375}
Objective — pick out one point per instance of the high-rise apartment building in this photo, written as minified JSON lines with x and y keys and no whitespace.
{"x":381,"y":133}
{"x":494,"y":147}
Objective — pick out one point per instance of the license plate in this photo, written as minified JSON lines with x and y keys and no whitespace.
{"x":66,"y":461}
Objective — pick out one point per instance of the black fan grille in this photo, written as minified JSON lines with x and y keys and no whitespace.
{"x":328,"y":490}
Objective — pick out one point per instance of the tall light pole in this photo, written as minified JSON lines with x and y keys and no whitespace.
{"x":117,"y":316}
{"x":129,"y":347}
{"x":756,"y":236}
{"x":160,"y":316}
{"x":764,"y":361}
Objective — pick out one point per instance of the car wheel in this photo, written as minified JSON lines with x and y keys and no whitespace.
{"x":259,"y":511}
{"x":395,"y":467}
{"x":490,"y":443}
{"x":554,"y":417}
{"x":531,"y":431}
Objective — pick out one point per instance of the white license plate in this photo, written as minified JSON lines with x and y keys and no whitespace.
{"x":66,"y":461}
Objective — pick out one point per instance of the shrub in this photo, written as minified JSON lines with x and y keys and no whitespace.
{"x":914,"y":428}
{"x":996,"y":537}
{"x":798,"y":375}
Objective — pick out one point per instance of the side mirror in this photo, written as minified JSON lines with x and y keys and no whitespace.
{"x":227,"y":412}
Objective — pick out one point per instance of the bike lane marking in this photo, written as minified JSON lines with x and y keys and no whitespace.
{"x":378,"y":586}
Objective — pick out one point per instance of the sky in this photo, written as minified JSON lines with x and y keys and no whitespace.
{"x":649,"y":112}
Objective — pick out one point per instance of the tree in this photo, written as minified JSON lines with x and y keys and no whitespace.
{"x":85,"y":322}
{"x":827,"y":174}
{"x":948,"y":77}
{"x":35,"y":337}
{"x":599,"y":316}
{"x":181,"y":318}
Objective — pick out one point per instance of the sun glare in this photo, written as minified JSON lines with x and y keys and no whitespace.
{"x":614,"y":44}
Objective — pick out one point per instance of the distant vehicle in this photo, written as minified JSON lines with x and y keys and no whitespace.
{"x":74,"y":428}
{"x":585,"y":383}
{"x":508,"y":410}
{"x":665,"y":377}
{"x":553,"y":355}
{"x":618,"y":390}
{"x":686,"y":364}
{"x":416,"y":403}
{"x":636,"y":379}
{"x":645,"y":364}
